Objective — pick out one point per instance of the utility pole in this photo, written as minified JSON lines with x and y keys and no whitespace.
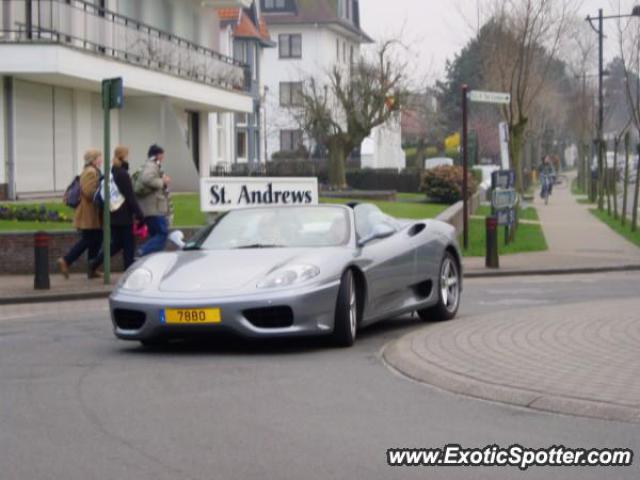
{"x":600,"y":109}
{"x":465,"y":166}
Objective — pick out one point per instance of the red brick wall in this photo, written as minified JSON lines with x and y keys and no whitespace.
{"x":17,"y":257}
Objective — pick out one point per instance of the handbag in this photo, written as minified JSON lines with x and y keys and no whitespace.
{"x":116,"y":198}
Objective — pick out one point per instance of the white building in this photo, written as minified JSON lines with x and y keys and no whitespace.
{"x":54,"y":55}
{"x":313,"y":36}
{"x":383,"y":149}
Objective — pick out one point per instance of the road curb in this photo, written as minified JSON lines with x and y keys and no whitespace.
{"x":401,"y":357}
{"x":552,"y":271}
{"x":54,"y":298}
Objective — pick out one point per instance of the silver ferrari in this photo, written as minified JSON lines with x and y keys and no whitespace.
{"x":292,"y":271}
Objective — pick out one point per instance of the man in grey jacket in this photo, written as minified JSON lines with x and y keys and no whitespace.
{"x":152,"y":190}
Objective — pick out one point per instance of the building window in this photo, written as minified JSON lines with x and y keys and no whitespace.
{"x":274,"y":4}
{"x":290,"y":46}
{"x":338,"y":49}
{"x":290,"y":140}
{"x":291,"y":94}
{"x":241,"y":144}
{"x":351,"y":55}
{"x":256,"y":61}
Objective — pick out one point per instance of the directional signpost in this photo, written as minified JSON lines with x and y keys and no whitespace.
{"x":476,"y":96}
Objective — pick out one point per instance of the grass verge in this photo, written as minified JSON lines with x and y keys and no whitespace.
{"x":188,"y":214}
{"x":616,"y":226}
{"x":529,"y":238}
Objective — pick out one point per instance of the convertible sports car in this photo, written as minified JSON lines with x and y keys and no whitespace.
{"x":292,"y":271}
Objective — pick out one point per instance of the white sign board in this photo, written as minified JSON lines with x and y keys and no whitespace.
{"x":479,"y":96}
{"x":222,"y":194}
{"x":504,"y":145}
{"x":504,"y":198}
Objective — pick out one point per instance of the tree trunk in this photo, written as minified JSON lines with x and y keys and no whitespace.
{"x":601,"y":170}
{"x":634,"y":213}
{"x":614,"y":180}
{"x":517,"y":142}
{"x":625,"y":194}
{"x":337,"y":173}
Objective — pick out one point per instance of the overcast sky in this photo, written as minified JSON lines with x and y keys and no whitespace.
{"x":438,"y":28}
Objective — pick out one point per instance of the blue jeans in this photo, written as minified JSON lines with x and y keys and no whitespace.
{"x":90,"y":241}
{"x":158,"y":233}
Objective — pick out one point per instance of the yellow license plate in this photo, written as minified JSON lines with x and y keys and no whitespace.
{"x":192,"y":316}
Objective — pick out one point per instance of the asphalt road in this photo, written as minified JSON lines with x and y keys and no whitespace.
{"x":77,"y":404}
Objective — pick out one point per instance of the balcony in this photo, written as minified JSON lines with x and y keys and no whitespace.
{"x":86,"y":27}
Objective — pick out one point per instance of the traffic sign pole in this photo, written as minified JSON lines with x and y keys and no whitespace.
{"x":112,"y":97}
{"x":106,"y":186}
{"x":465,"y":167}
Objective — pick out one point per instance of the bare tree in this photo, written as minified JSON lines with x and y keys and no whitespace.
{"x":628,"y":41}
{"x":339,"y":112}
{"x":519,"y":58}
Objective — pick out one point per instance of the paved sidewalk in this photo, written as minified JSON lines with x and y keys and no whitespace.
{"x":19,"y":289}
{"x":585,"y":364}
{"x":577,"y":241}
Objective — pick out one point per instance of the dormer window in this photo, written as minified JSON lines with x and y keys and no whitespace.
{"x":270,"y":5}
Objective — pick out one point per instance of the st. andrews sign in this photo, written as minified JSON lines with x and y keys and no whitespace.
{"x":222,"y":194}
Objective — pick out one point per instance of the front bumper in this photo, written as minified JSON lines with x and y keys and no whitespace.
{"x":313,"y":313}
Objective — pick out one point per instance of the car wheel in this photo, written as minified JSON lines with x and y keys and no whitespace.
{"x":448,"y":292}
{"x":346,"y":315}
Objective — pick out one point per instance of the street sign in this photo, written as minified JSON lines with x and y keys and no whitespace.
{"x":504,"y":198}
{"x":504,"y":179}
{"x":222,"y":194}
{"x":504,"y":145}
{"x":506,"y":217}
{"x":479,"y":96}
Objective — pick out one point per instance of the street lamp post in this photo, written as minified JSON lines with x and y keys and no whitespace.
{"x":600,"y":31}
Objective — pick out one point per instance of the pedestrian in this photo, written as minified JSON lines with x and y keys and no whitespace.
{"x":88,"y":216}
{"x":122,"y":220}
{"x":152,"y":191}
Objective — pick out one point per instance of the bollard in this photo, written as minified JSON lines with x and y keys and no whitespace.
{"x":492,"y":259}
{"x":41,"y":252}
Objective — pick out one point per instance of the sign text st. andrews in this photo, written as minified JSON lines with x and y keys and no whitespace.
{"x":479,"y":96}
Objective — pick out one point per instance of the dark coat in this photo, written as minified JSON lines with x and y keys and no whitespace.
{"x":130,"y":208}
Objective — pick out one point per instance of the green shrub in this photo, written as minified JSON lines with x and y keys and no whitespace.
{"x":407,"y":181}
{"x":444,"y":184}
{"x":477,"y":175}
{"x":432,"y":152}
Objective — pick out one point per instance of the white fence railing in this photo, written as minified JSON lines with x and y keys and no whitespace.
{"x":83,"y":25}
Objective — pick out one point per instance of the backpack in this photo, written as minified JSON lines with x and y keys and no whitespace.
{"x":139,"y":188}
{"x":73,"y":193}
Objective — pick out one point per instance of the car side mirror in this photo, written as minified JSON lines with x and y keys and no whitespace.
{"x":177,"y":238}
{"x":380,"y":231}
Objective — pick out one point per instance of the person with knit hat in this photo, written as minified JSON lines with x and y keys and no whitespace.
{"x":88,"y":217}
{"x":122,"y":220}
{"x":152,"y":190}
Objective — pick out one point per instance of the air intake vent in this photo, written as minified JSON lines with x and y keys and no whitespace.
{"x":129,"y":319}
{"x":271,"y":317}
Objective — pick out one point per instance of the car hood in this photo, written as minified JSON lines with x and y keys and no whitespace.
{"x":226,"y":271}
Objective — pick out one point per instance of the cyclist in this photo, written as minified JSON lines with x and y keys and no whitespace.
{"x":547,"y":178}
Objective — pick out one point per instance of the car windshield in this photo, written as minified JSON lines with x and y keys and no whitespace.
{"x":292,"y":227}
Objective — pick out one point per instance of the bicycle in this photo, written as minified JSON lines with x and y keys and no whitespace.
{"x":547,"y":182}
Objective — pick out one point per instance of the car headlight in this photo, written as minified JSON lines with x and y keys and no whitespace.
{"x":138,"y":280}
{"x":289,"y":275}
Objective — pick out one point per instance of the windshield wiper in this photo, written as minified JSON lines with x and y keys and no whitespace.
{"x":258,"y":245}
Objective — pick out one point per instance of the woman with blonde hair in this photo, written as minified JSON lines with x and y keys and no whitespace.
{"x":88,"y":217}
{"x":122,"y":238}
